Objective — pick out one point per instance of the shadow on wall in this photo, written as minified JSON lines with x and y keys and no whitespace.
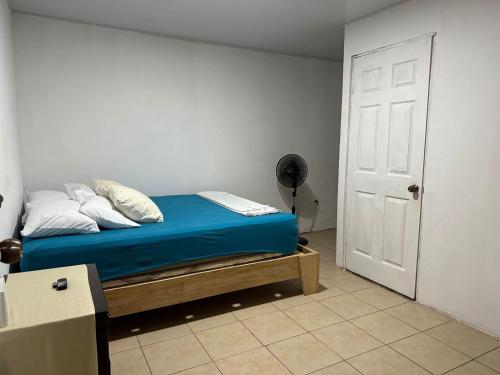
{"x":305,"y":205}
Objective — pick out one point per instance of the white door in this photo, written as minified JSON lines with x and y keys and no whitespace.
{"x":389,"y":92}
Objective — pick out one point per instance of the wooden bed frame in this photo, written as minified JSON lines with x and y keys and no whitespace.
{"x":148,"y":295}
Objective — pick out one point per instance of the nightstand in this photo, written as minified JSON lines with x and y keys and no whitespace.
{"x":52,"y":332}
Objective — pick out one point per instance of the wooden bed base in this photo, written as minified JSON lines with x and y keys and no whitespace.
{"x":129,"y":299}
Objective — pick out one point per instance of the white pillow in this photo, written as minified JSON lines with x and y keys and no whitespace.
{"x":55,"y":218}
{"x":41,"y":196}
{"x":134,"y":205}
{"x":72,"y":187}
{"x":101,"y":210}
{"x":102,"y":187}
{"x":45,"y":196}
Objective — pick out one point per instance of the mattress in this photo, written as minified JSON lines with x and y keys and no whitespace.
{"x":193,"y":229}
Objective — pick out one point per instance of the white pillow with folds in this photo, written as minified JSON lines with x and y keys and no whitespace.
{"x":101,"y":187}
{"x":40,"y":196}
{"x":72,"y":187}
{"x":134,"y":205}
{"x":102,"y":211}
{"x":55,"y":218}
{"x":45,"y":196}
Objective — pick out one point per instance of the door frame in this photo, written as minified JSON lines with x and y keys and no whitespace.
{"x":342,"y":219}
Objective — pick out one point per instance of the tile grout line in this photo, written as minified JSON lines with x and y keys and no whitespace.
{"x":163,"y":340}
{"x":336,"y":363}
{"x":383,"y":344}
{"x":475,"y":360}
{"x":146,"y":360}
{"x":463,"y":364}
{"x":345,"y":359}
{"x":124,"y":350}
{"x":418,"y":329}
{"x":206,"y":329}
{"x":204,"y":349}
{"x":349,"y":319}
{"x":388,"y":346}
{"x":489,"y":351}
{"x":371,"y":304}
{"x":411,"y":360}
{"x":285,"y":366}
{"x":197,"y":339}
{"x":274,"y":342}
{"x":143,"y":355}
{"x":448,"y":345}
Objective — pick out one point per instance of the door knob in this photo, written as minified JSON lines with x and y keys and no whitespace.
{"x":413,"y":188}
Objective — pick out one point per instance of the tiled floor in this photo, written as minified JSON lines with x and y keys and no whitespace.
{"x":352,"y":326}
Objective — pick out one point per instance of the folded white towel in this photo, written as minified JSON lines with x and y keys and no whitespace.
{"x":237,"y":204}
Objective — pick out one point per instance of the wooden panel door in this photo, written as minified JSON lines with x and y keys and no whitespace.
{"x":389,"y":94}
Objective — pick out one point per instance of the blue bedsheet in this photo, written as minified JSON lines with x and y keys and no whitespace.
{"x":194,"y":229}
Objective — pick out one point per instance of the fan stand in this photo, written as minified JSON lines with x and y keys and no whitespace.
{"x":302,"y":240}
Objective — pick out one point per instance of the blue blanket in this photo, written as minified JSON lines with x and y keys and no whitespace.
{"x":194,"y":229}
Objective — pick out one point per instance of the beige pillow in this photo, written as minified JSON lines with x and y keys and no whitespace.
{"x":101,"y":187}
{"x":134,"y":205}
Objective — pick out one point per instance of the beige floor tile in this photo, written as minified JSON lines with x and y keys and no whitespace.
{"x":384,"y":327}
{"x":341,"y":368}
{"x":418,"y":316}
{"x":472,"y":368}
{"x":163,"y":334}
{"x":352,"y":283}
{"x":304,"y":354}
{"x":385,"y":361}
{"x":252,"y":311}
{"x":468,"y":340}
{"x":491,"y":359}
{"x":327,"y":261}
{"x":130,"y":362}
{"x":273,"y":327}
{"x":315,"y":244}
{"x":327,"y":289}
{"x":346,"y":339}
{"x":227,"y":340}
{"x":313,"y":316}
{"x":121,"y":345}
{"x":329,"y":270}
{"x":208,"y":369}
{"x":286,"y":303}
{"x":380,"y":298}
{"x":328,"y":265}
{"x":429,"y":353}
{"x":210,"y":322}
{"x":257,"y":361}
{"x":348,"y":307}
{"x":325,"y":252}
{"x":167,"y":357}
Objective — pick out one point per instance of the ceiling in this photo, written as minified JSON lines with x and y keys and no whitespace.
{"x":311,"y":28}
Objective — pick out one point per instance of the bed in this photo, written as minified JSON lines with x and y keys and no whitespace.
{"x":201,"y":249}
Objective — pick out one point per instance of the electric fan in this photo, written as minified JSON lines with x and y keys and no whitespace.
{"x":291,"y":171}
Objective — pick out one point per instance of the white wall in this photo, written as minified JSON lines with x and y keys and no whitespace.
{"x":169,"y":116}
{"x":11,"y":184}
{"x":459,"y":267}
